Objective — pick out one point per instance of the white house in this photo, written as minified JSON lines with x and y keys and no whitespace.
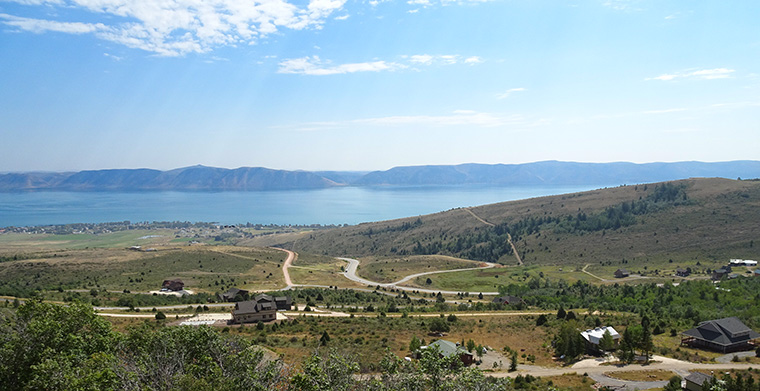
{"x":594,"y":336}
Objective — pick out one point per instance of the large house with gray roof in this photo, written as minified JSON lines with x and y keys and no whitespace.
{"x":262,"y":308}
{"x":722,"y":335}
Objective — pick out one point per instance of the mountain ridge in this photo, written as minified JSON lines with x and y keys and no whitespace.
{"x":200,"y":178}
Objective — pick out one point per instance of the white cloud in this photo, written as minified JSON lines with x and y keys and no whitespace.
{"x":704,"y":74}
{"x":314,"y":66}
{"x":178,"y":27}
{"x":473,"y":60}
{"x":424,"y":59}
{"x":41,"y":26}
{"x":509,"y":92}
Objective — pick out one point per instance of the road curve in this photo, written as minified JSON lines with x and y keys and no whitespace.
{"x":285,"y":265}
{"x":353,"y":264}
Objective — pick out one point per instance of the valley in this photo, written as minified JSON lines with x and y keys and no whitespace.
{"x":375,"y":287}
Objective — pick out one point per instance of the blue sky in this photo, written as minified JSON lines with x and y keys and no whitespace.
{"x":368,"y":85}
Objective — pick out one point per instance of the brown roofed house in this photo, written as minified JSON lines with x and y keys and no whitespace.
{"x":621,"y":273}
{"x":508,"y":300}
{"x":173,"y":285}
{"x":234,"y":294}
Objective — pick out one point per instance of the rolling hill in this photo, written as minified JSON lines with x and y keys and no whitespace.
{"x":683,"y":221}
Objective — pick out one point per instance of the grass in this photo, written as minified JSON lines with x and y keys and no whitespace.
{"x":649,"y":375}
{"x":368,"y":338}
{"x":202,"y":269}
{"x":319,"y":270}
{"x":387,"y":270}
{"x":15,"y":242}
{"x":572,"y":381}
{"x":716,"y":225}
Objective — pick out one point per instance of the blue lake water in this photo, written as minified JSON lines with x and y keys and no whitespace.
{"x":343,"y":205}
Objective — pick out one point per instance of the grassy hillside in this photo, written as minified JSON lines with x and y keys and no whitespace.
{"x":660,"y":226}
{"x":203,"y":269}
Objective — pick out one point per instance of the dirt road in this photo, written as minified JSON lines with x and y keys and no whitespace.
{"x":285,"y":265}
{"x":353,"y":264}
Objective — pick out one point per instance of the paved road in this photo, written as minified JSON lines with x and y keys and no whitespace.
{"x":728,"y":357}
{"x":353,"y":264}
{"x":597,"y":372}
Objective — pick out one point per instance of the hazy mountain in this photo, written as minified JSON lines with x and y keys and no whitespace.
{"x":188,"y":178}
{"x":557,"y":173}
{"x":258,"y":178}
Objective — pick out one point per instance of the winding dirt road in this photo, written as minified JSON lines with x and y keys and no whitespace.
{"x":509,"y":237}
{"x":353,"y":264}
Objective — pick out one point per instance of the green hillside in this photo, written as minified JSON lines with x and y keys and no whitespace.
{"x":675,"y":223}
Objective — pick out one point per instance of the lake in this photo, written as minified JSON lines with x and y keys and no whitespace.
{"x":340,"y":205}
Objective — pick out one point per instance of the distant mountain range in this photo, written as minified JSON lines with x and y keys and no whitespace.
{"x":201,"y":178}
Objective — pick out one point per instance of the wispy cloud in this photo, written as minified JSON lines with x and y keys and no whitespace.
{"x":179,"y":27}
{"x":664,"y":111}
{"x":703,"y":74}
{"x":316,"y":66}
{"x":509,"y":92}
{"x":468,"y":118}
{"x":622,"y":5}
{"x":113,"y":57}
{"x":458,"y":117}
{"x":41,"y":26}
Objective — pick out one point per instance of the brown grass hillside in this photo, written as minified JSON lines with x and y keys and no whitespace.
{"x":717,"y":219}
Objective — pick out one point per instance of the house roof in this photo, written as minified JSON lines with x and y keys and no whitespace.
{"x":447,"y":348}
{"x":595,"y":335}
{"x":697,"y":378}
{"x":252,"y":307}
{"x":508,"y":299}
{"x":725,"y":332}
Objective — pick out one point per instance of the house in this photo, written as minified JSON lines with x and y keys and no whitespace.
{"x":594,"y":336}
{"x":447,"y":349}
{"x":173,"y":285}
{"x":722,"y":335}
{"x":718,"y":274}
{"x":252,"y":312}
{"x":234,"y":294}
{"x":508,"y":300}
{"x":261,"y":308}
{"x":697,"y":381}
{"x":621,"y":273}
{"x":683,"y":272}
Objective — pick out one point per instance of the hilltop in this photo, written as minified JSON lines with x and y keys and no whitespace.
{"x":682,"y":221}
{"x":200,"y":178}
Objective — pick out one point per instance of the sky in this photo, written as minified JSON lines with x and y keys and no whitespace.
{"x":369,"y":85}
